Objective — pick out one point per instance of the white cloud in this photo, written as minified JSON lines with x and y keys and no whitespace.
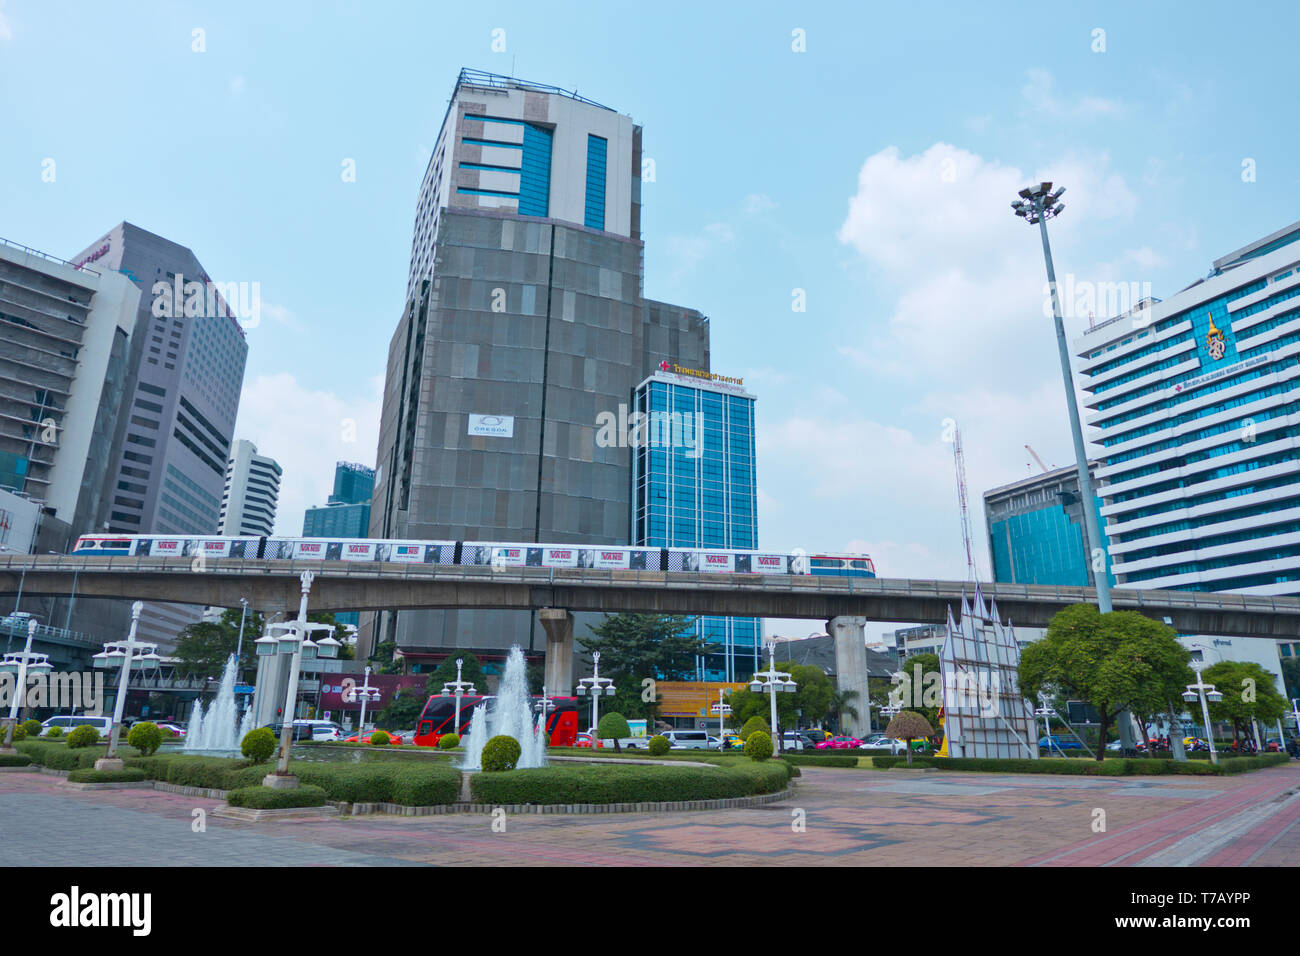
{"x":1040,"y":96}
{"x":6,"y":31}
{"x":758,"y":203}
{"x":687,"y":252}
{"x":307,"y":430}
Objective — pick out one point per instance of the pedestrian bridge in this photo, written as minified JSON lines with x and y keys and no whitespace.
{"x":359,"y":586}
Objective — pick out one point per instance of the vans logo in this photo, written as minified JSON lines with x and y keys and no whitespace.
{"x":75,"y":909}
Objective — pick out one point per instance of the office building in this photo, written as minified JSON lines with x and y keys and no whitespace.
{"x":1195,"y":402}
{"x":347,"y":511}
{"x":167,"y":466}
{"x":1037,"y":533}
{"x":252,"y":492}
{"x":694,"y":486}
{"x":524,"y":321}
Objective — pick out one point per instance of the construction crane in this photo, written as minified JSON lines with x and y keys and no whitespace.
{"x":959,"y":463}
{"x":1037,"y":459}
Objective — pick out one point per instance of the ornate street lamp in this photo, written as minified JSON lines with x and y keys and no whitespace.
{"x":773,"y":682}
{"x":593,"y":687}
{"x":127,"y":651}
{"x":20,"y":664}
{"x":459,"y":688}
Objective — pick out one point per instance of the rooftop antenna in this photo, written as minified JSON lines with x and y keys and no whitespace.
{"x":959,"y":463}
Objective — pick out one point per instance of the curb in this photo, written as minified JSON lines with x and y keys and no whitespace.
{"x":119,"y":785}
{"x":732,"y":803}
{"x":287,"y":813}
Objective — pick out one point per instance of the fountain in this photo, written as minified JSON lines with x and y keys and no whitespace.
{"x":511,"y":714}
{"x":219,"y":728}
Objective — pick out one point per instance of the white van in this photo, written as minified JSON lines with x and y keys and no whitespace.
{"x":688,"y":739}
{"x":104,"y":724}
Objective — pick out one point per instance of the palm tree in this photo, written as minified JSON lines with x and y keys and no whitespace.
{"x":841,"y":707}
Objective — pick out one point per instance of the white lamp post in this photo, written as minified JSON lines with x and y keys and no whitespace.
{"x":1045,"y":711}
{"x":1204,"y":691}
{"x":543,"y":707}
{"x":773,"y":682}
{"x":365,"y":694}
{"x":722,"y":709}
{"x":595,"y":685}
{"x":459,"y":688}
{"x":128,"y":651}
{"x":19,"y":665}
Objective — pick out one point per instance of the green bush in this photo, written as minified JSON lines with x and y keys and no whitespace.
{"x":758,"y":746}
{"x":380,"y":739}
{"x":15,"y":760}
{"x":658,"y":746}
{"x":623,"y":783}
{"x":752,"y":725}
{"x":500,"y":753}
{"x":1109,"y":767}
{"x":127,"y":775}
{"x":153,"y":767}
{"x":57,"y":756}
{"x":259,"y":744}
{"x":613,"y":726}
{"x":55,"y":731}
{"x":32,"y":727}
{"x":83,"y":736}
{"x":145,"y":737}
{"x":449,"y":741}
{"x":425,"y":786}
{"x":210,"y":773}
{"x":818,"y":760}
{"x":264,"y":798}
{"x":20,"y":732}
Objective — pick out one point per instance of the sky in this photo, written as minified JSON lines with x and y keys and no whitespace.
{"x":832,"y":187}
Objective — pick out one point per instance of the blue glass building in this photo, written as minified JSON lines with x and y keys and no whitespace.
{"x":347,"y":515}
{"x":694,"y":485}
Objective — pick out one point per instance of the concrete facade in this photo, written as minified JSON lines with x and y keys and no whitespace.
{"x":252,"y":492}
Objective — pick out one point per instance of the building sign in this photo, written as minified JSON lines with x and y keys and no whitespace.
{"x":492,"y":426}
{"x":97,"y":254}
{"x":1214,"y":341}
{"x":676,"y":369}
{"x":1222,"y":373}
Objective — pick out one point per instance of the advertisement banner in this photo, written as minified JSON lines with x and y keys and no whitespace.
{"x":768,"y":563}
{"x":357,"y":551}
{"x":559,"y":557}
{"x":508,"y":557}
{"x":717,"y":563}
{"x":311,"y":550}
{"x":492,"y":426}
{"x":609,"y":559}
{"x":412,"y":553}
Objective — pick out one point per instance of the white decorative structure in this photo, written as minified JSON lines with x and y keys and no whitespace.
{"x":985,"y":715}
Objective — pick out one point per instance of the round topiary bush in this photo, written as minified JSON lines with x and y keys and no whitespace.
{"x":55,"y":731}
{"x":448,"y":741}
{"x":145,"y":737}
{"x":500,"y":753}
{"x":758,"y":746}
{"x":613,"y":726}
{"x":755,"y":724}
{"x":83,"y":736}
{"x":259,"y":744}
{"x":32,"y":727}
{"x":380,"y":738}
{"x":658,"y":746}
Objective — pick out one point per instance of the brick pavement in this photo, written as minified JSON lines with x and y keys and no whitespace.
{"x":851,"y":818}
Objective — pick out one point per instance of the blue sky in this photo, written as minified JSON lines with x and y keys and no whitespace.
{"x":874,"y":171}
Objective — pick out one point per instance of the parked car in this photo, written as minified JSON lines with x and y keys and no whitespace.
{"x":792,"y":740}
{"x":394,"y":738}
{"x":893,"y":745}
{"x":840,"y":743}
{"x":730,"y":741}
{"x":176,"y":729}
{"x":1058,"y":743}
{"x":689,"y":739}
{"x":104,"y":724}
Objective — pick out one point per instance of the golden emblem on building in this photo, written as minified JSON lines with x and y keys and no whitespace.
{"x":1214,"y":341}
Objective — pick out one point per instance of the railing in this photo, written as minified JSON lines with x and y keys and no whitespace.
{"x":501,"y":82}
{"x":45,"y":255}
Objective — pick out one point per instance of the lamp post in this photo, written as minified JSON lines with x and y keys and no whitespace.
{"x":595,"y":685}
{"x":365,"y":693}
{"x":543,"y":707}
{"x":128,"y":651}
{"x":773,"y":682}
{"x":239,"y":648}
{"x":1204,"y":691}
{"x":1036,"y":205}
{"x":1045,"y":711}
{"x":459,"y":688}
{"x":19,"y":665}
{"x":722,"y":709}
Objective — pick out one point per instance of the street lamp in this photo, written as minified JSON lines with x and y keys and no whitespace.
{"x":595,"y":685}
{"x":1204,"y":691}
{"x":19,"y":664}
{"x":128,"y":650}
{"x":722,"y":709}
{"x":239,"y":648}
{"x":543,"y":707}
{"x":1036,"y":205}
{"x":1045,"y":711}
{"x":459,"y":688}
{"x":773,"y":682}
{"x":365,"y":694}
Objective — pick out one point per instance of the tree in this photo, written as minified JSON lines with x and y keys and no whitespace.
{"x":1116,"y":662}
{"x":1248,"y":692}
{"x":909,"y":726}
{"x":921,"y":675}
{"x":842,"y":706}
{"x":613,"y":726}
{"x":403,"y":709}
{"x":634,"y":647}
{"x":471,"y":672}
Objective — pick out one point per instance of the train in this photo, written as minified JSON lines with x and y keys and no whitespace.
{"x":480,"y":553}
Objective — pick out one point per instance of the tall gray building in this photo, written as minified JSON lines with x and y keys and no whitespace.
{"x":167,"y":467}
{"x":525,"y":319}
{"x":252,"y":492}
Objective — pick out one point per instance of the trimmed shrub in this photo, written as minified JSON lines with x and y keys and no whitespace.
{"x":20,"y":732}
{"x":55,"y":731}
{"x":380,"y":738}
{"x":818,"y":760}
{"x":264,"y":798}
{"x":425,"y":786}
{"x":154,"y":767}
{"x":83,"y":736}
{"x":658,"y":746}
{"x":622,"y":783}
{"x":449,"y":741}
{"x":259,"y":744}
{"x":31,"y":726}
{"x":57,"y":756}
{"x":210,"y":773}
{"x":127,"y":775}
{"x":752,"y":725}
{"x":613,"y":726}
{"x":15,"y":760}
{"x":1110,"y":767}
{"x":759,"y":746}
{"x":500,"y":753}
{"x":145,"y":737}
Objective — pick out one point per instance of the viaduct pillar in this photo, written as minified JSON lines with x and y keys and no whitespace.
{"x":851,"y":668}
{"x":558,"y":624}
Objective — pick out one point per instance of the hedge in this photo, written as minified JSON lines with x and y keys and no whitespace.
{"x":1110,"y":767}
{"x":264,"y":798}
{"x":800,"y":759}
{"x":15,"y":760}
{"x":624,"y":783}
{"x":57,"y":756}
{"x":128,"y":775}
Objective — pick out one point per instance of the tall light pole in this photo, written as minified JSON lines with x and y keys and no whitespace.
{"x":459,"y":688}
{"x":20,"y":664}
{"x":722,"y":709}
{"x":773,"y":682}
{"x":366,"y":693}
{"x":128,"y":650}
{"x":239,"y":648}
{"x":1204,"y":691}
{"x":595,"y":685}
{"x":544,"y":706}
{"x":1037,"y":204}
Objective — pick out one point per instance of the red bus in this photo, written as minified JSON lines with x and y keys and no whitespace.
{"x":439,"y":717}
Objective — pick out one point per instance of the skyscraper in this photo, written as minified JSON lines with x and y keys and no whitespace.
{"x":1195,"y":400}
{"x":694,"y":485}
{"x":167,"y":467}
{"x":252,"y":492}
{"x":524,"y":320}
{"x":347,"y":513}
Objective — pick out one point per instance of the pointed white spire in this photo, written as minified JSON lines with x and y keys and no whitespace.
{"x":979,"y":603}
{"x":993,"y":611}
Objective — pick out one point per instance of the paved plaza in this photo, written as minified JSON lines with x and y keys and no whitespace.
{"x":836,"y":817}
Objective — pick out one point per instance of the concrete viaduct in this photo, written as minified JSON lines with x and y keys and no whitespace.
{"x":845,"y":604}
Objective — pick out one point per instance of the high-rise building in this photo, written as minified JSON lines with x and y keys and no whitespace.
{"x":524,"y":320}
{"x":347,"y":513}
{"x":694,"y":486}
{"x":167,"y":467}
{"x":1196,"y":405}
{"x":252,"y":492}
{"x":1037,"y":532}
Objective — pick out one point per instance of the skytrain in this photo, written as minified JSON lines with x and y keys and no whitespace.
{"x":481,"y":554}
